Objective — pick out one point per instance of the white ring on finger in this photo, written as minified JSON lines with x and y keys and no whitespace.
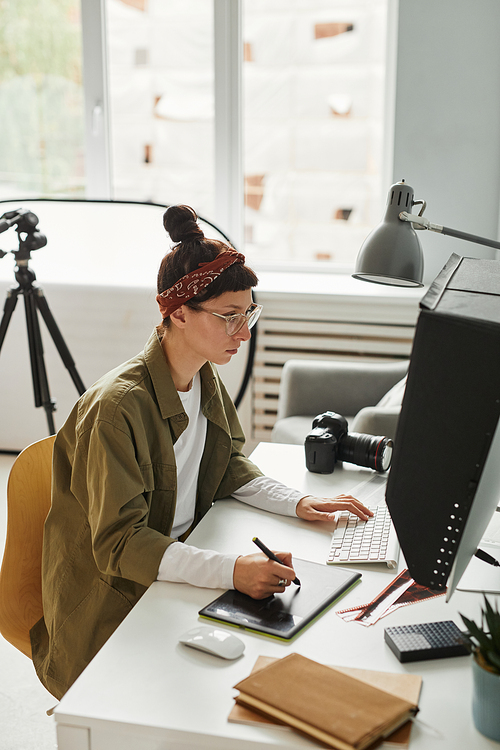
{"x":282,"y":582}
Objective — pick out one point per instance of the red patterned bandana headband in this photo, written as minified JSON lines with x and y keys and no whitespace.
{"x":192,"y":283}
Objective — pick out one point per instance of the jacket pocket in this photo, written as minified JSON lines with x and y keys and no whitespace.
{"x":160,"y":484}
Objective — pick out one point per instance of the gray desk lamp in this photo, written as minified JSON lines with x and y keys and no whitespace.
{"x":392,"y":254}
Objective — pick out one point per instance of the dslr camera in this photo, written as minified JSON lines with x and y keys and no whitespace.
{"x":329,"y":442}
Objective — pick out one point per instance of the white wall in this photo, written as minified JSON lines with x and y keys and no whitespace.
{"x":103,"y":326}
{"x":447,"y":119}
{"x":98,"y":274}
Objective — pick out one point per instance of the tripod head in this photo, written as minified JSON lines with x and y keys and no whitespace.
{"x":28,"y":235}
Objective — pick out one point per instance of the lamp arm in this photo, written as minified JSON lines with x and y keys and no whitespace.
{"x":424,"y":223}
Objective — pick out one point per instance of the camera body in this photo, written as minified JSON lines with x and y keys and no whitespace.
{"x":329,"y":442}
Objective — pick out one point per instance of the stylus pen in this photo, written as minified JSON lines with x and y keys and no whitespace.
{"x":272,"y":556}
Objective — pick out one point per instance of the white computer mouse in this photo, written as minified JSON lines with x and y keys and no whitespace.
{"x":213,"y":641}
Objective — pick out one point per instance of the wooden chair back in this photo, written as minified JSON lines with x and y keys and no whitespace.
{"x":28,"y":502}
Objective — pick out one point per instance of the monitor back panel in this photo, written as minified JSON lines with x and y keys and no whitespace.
{"x":448,"y":419}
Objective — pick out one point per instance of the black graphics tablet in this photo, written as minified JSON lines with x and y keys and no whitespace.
{"x":285,"y":615}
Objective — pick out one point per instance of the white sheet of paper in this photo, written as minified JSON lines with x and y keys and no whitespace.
{"x":479,"y":575}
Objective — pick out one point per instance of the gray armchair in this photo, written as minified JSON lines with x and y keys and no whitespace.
{"x":367,"y":394}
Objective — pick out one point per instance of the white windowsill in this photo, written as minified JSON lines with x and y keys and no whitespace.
{"x":330,"y":284}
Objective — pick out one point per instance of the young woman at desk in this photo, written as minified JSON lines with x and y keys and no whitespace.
{"x":144,"y":454}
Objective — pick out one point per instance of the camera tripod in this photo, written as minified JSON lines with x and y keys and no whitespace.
{"x":34,"y":303}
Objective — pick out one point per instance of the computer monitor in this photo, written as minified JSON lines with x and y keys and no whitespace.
{"x":444,"y":484}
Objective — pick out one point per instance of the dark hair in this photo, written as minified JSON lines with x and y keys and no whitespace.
{"x":193,"y":248}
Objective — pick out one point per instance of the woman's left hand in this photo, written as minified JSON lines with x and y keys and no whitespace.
{"x":323,"y":509}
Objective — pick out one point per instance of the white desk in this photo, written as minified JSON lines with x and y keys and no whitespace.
{"x":145,"y":691}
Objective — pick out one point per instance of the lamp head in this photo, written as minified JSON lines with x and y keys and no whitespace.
{"x":392,"y":254}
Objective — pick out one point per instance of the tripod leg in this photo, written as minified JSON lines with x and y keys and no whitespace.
{"x":8,"y":309}
{"x":58,"y":340}
{"x":38,"y":371}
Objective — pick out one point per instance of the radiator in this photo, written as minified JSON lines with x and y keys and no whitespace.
{"x":336,"y":332}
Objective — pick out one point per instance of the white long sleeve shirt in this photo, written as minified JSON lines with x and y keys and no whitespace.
{"x":183,"y":563}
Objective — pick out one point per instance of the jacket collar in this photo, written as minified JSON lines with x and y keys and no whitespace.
{"x":168,"y":399}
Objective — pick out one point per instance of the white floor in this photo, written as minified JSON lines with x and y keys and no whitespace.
{"x":24,"y":724}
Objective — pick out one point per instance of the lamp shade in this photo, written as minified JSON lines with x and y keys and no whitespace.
{"x":392,"y":254}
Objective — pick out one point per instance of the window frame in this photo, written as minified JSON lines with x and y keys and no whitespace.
{"x":228,"y":46}
{"x":98,"y":172}
{"x":228,"y":126}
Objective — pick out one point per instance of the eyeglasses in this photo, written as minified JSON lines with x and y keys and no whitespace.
{"x":236,"y":321}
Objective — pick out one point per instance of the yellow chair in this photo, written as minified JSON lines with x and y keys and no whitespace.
{"x":28,"y":502}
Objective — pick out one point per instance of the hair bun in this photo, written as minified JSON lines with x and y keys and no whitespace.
{"x":181,"y":224}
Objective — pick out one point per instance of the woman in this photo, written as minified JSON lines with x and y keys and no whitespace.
{"x":142,"y":457}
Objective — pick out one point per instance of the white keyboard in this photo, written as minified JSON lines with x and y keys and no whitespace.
{"x":373,"y":541}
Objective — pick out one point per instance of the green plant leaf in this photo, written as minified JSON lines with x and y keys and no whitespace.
{"x":493,"y":621}
{"x":486,"y":636}
{"x":477,"y":633}
{"x":465,"y":619}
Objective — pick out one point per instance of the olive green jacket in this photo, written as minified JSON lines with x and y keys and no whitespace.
{"x":113,"y":503}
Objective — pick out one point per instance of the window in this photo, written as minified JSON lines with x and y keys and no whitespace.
{"x":160,"y":66}
{"x":313,"y":127}
{"x":41,"y":98}
{"x":301,"y":179}
{"x":313,"y":105}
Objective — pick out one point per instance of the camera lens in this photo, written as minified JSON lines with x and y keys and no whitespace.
{"x":373,"y":451}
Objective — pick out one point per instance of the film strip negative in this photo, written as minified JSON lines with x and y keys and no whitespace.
{"x":401,"y":592}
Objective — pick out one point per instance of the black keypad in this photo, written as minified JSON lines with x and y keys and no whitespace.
{"x":429,"y":640}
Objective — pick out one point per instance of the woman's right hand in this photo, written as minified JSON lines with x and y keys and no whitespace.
{"x":258,"y":576}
